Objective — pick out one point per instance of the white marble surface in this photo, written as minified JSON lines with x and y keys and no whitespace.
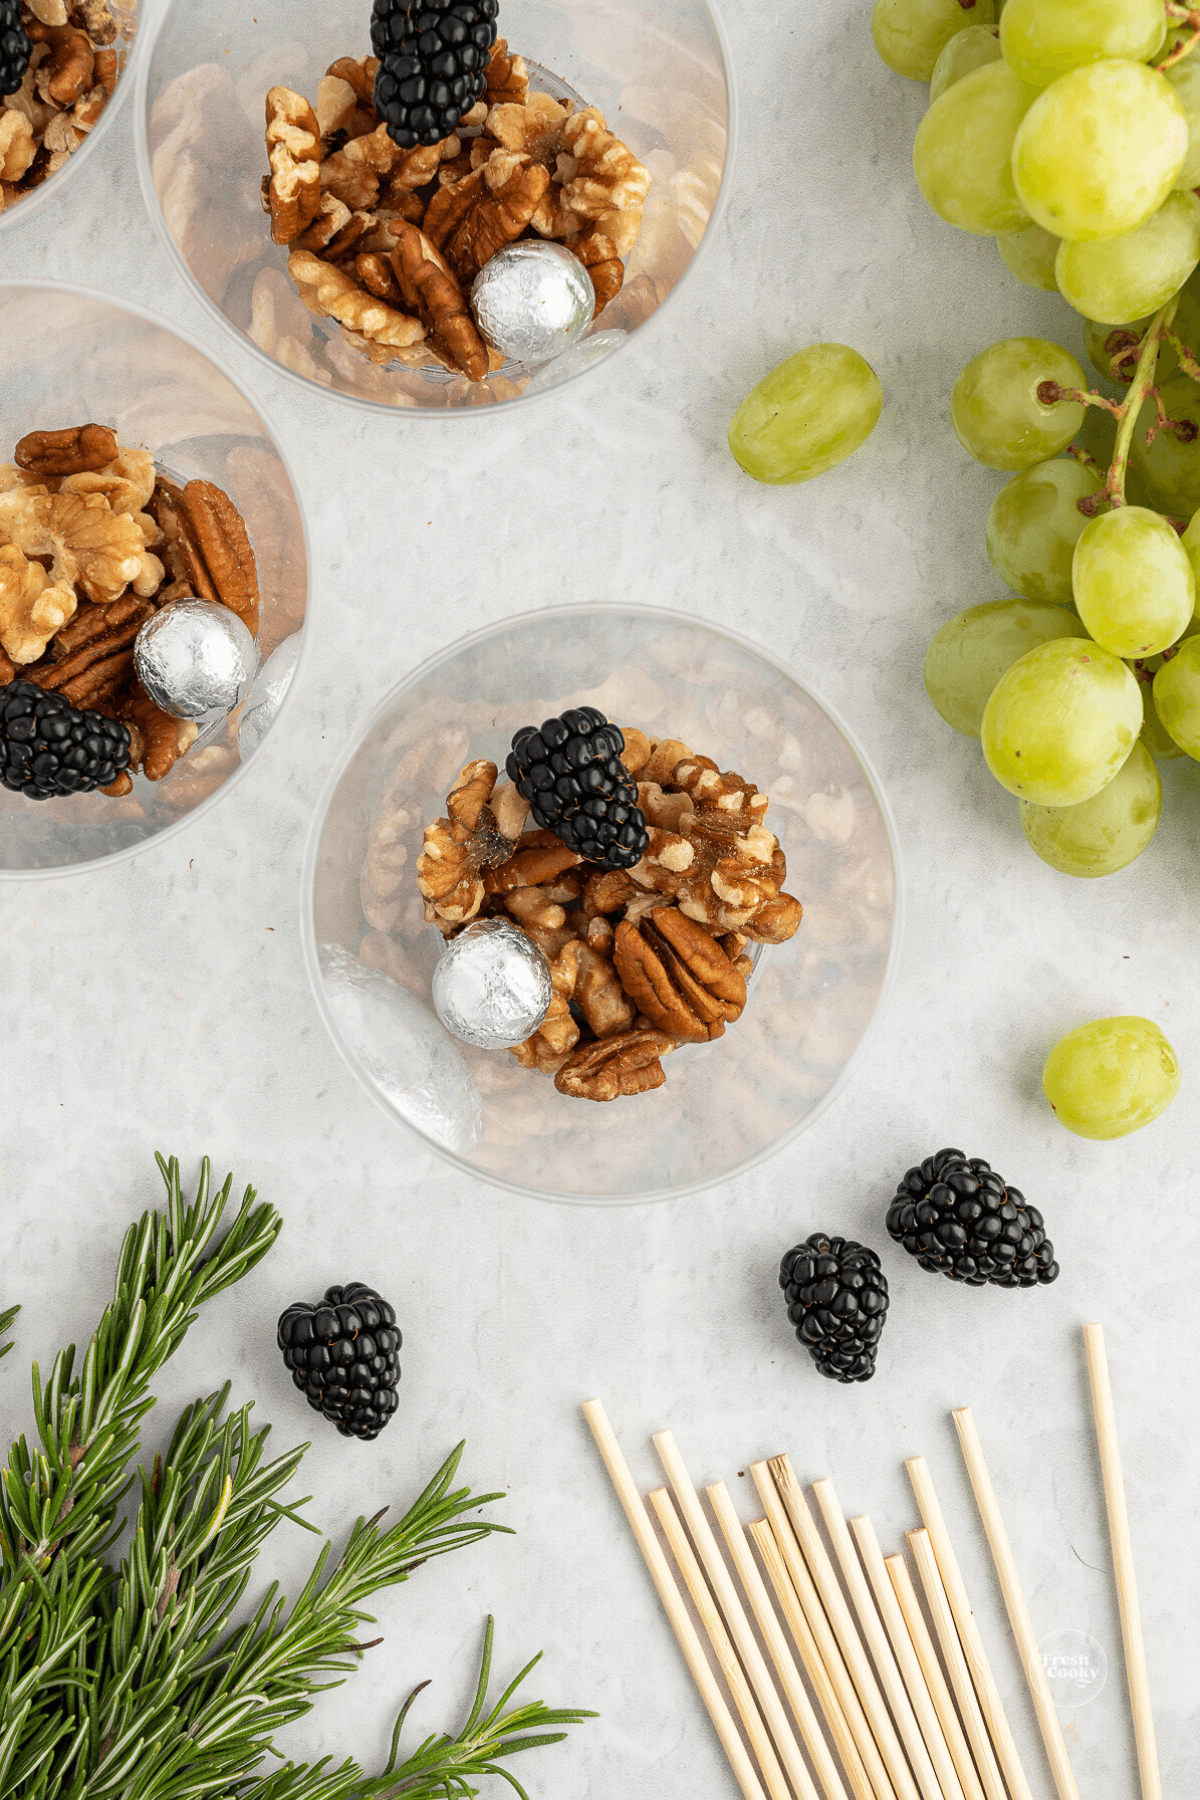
{"x":163,"y":1004}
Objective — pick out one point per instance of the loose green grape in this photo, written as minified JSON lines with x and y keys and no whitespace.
{"x":1029,"y":255}
{"x":809,"y":414}
{"x":1098,"y":151}
{"x":996,"y":411}
{"x":1035,"y":524}
{"x":911,"y":34}
{"x":1061,"y":722}
{"x":1044,"y":39}
{"x":1169,"y":468}
{"x":1123,"y":277}
{"x":1111,"y":1077}
{"x":1133,"y":583}
{"x":965,"y":51}
{"x":1185,"y":79}
{"x":1177,"y":696}
{"x":962,"y":155}
{"x":1105,"y":833}
{"x":970,"y":653}
{"x":1154,"y":734}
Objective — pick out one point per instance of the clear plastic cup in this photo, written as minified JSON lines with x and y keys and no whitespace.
{"x":130,"y":45}
{"x":68,"y":357}
{"x":813,"y":1001}
{"x":657,"y":69}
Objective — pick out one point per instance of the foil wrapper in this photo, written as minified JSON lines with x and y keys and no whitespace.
{"x":267,"y":694}
{"x":194,"y":659}
{"x":492,"y":987}
{"x":533,"y":300}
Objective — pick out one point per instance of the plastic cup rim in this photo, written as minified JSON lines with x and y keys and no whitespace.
{"x":179,"y":825}
{"x":670,"y":616}
{"x":412,"y":414}
{"x":54,"y":185}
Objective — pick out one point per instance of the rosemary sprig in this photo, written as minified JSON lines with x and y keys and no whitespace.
{"x":133,"y":1682}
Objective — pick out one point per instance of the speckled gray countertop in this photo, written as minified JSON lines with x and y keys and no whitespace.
{"x":163,"y":1004}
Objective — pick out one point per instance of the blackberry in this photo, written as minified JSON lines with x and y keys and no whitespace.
{"x":570,"y":771}
{"x":14,"y":47}
{"x":342,"y":1354}
{"x":433,"y":58}
{"x":958,"y":1218}
{"x":837,"y":1297}
{"x":48,"y":748}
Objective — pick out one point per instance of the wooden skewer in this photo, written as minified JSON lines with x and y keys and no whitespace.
{"x":1014,"y":1601}
{"x":956,"y":1664}
{"x":767,"y":1544}
{"x":735,"y":1617}
{"x":777,"y":1645}
{"x":877,"y":1640}
{"x":988,"y":1693}
{"x":847,"y":1636}
{"x":907,"y":1660}
{"x":673,"y":1603}
{"x":726,"y":1657}
{"x":1122,"y":1554}
{"x":830,"y":1657}
{"x":935,"y":1681}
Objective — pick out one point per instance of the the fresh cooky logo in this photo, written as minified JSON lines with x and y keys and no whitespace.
{"x":1075,"y":1667}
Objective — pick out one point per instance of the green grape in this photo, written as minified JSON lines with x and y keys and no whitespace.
{"x":1133,"y":583}
{"x":1029,"y":255}
{"x":1098,"y":151}
{"x":1061,"y":722}
{"x":962,"y":156}
{"x":1105,"y":833}
{"x":970,"y":653}
{"x":1154,"y":734}
{"x":807,"y":415}
{"x":1111,"y":1077}
{"x":1177,"y":696}
{"x":910,"y":35}
{"x":1124,"y":277}
{"x":965,"y":51}
{"x":1169,"y":468}
{"x":1191,"y":545}
{"x":995,"y":410}
{"x":1185,"y":79}
{"x":1044,"y":39}
{"x":1035,"y":524}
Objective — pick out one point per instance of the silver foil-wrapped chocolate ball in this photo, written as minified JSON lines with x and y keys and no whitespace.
{"x":194,"y":658}
{"x":533,"y":300}
{"x":492,"y":987}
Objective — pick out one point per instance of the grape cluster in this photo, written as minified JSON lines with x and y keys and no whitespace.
{"x":1071,"y":134}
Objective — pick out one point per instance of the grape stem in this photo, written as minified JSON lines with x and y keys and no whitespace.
{"x":1187,"y":357}
{"x":1182,"y":15}
{"x":1112,"y":494}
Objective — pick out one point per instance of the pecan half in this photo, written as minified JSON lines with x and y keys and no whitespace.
{"x":220,"y":531}
{"x":180,"y":552}
{"x":678,"y":974}
{"x":70,"y":69}
{"x":81,"y":449}
{"x":615,"y":1067}
{"x":104,"y":638}
{"x":532,"y":868}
